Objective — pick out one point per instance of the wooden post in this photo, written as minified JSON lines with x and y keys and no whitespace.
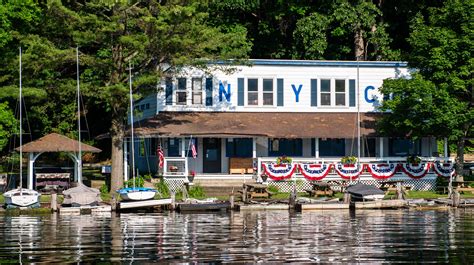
{"x":231,"y":200}
{"x":54,"y":202}
{"x":399,"y":191}
{"x":456,"y":199}
{"x":244,"y":195}
{"x":292,"y":200}
{"x":113,"y":203}
{"x":347,"y":197}
{"x":173,"y":201}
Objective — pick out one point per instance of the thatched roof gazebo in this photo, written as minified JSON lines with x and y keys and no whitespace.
{"x":54,"y":142}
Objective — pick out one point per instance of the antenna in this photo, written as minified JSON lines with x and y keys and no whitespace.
{"x":358,"y":119}
{"x":79,"y":157}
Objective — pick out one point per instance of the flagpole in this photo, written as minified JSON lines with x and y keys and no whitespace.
{"x":358,"y":121}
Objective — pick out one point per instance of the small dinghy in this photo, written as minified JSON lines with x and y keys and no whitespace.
{"x":81,"y":196}
{"x":364,"y":192}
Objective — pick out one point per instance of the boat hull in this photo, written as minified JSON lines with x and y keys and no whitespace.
{"x":21,"y":197}
{"x":138,"y":194}
{"x":217,"y":206}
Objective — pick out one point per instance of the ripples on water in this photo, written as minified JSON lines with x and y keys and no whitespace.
{"x":272,"y":236}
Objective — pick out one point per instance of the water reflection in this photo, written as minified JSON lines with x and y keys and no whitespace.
{"x":273,"y":236}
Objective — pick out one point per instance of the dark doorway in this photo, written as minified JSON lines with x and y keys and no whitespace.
{"x":212,"y":155}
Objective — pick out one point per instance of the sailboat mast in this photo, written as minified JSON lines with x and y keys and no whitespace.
{"x":21,"y":136}
{"x":79,"y":155}
{"x":358,"y":117}
{"x":131,"y":121}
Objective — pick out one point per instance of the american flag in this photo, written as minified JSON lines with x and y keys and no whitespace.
{"x":193,"y":149}
{"x":161,"y":156}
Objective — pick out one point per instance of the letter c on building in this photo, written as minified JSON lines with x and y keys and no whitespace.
{"x":366,"y":94}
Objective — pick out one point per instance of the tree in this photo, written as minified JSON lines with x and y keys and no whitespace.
{"x":7,"y":124}
{"x":441,"y":98}
{"x":153,"y":37}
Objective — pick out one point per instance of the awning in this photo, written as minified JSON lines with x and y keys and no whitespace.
{"x":248,"y":124}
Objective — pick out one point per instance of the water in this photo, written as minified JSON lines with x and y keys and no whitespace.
{"x":242,"y":237}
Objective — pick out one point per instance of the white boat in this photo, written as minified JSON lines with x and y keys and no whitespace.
{"x":21,"y":197}
{"x":134,"y":193}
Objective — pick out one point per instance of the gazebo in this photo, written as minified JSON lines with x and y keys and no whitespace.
{"x":54,"y":142}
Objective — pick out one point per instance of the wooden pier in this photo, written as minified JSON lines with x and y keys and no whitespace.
{"x":143,"y":204}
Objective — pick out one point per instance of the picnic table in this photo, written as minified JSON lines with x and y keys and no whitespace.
{"x":254,"y":190}
{"x":396,"y":186}
{"x":320,"y":188}
{"x":463,"y":186}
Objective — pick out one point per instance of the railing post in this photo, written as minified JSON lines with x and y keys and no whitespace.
{"x":165,"y":166}
{"x":186,"y":173}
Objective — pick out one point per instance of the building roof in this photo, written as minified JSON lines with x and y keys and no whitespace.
{"x":54,"y":142}
{"x":320,"y":63}
{"x":267,"y":124}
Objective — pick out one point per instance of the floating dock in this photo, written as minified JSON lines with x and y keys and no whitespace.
{"x":260,"y":207}
{"x":143,"y":204}
{"x":85,"y":210}
{"x":321,"y":206}
{"x":381,"y":204}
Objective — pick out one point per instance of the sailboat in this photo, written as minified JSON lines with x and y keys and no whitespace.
{"x":134,"y":193}
{"x":81,"y":194}
{"x":21,"y":197}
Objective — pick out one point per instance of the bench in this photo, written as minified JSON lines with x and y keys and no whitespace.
{"x":238,"y":165}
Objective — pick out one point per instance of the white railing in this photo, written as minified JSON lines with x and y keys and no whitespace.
{"x":175,"y":167}
{"x":333,"y":174}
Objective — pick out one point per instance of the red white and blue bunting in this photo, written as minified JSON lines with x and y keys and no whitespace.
{"x":314,"y":172}
{"x":444,"y":169}
{"x":279,"y":171}
{"x":382,"y":171}
{"x":348,"y":171}
{"x":416,"y":171}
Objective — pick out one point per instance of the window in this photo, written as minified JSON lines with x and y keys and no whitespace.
{"x":181,"y":92}
{"x":340,"y":92}
{"x":285,"y":147}
{"x":173,"y":147}
{"x":153,"y":146}
{"x":325,"y":92}
{"x":197,"y":91}
{"x":404,"y":147}
{"x":268,"y":92}
{"x":332,"y":147}
{"x":252,"y":90}
{"x":369,"y":146}
{"x":239,"y":147}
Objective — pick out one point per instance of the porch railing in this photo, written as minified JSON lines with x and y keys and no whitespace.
{"x":333,"y":174}
{"x":175,"y":167}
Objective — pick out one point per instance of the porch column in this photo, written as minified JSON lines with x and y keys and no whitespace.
{"x":254,"y":147}
{"x":31,"y":162}
{"x":183,"y":148}
{"x":445,"y":147}
{"x":381,"y":147}
{"x":125,"y":160}
{"x":316,"y":147}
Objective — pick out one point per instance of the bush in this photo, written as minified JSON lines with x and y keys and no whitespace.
{"x":139,"y":182}
{"x":162,"y":188}
{"x":104,"y":189}
{"x":196,"y":191}
{"x":273,"y":189}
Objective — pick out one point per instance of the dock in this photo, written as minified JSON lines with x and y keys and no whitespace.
{"x":260,"y":207}
{"x":143,"y":204}
{"x":321,"y":206}
{"x":380,"y":204}
{"x":101,"y":209}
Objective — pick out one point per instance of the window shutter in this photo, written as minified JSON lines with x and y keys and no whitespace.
{"x":208,"y":91}
{"x":240,"y":91}
{"x":314,"y":92}
{"x":280,"y":92}
{"x":352,"y":94}
{"x":169,"y":91}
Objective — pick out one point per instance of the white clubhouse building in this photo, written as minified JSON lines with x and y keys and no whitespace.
{"x":242,"y":120}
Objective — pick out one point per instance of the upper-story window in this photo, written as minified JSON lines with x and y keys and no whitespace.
{"x":197,"y":91}
{"x":334,"y":92}
{"x":181,"y":94}
{"x":268,"y":92}
{"x":252,"y":90}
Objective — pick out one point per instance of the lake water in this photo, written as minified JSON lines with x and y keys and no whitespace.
{"x":266,"y":236}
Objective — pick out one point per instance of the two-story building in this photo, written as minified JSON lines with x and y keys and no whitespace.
{"x":242,"y":118}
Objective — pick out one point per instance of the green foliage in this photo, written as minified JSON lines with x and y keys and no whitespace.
{"x":8,"y":124}
{"x":138,"y":182}
{"x":196,"y":191}
{"x":163,"y":188}
{"x":413,"y":159}
{"x":284,"y":160}
{"x":273,"y":188}
{"x":349,"y":160}
{"x":104,"y":189}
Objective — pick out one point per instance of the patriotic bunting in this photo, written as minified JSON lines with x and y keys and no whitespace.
{"x":279,"y":171}
{"x":381,"y":171}
{"x":416,"y":171}
{"x":348,"y":171}
{"x":315,"y":171}
{"x":444,"y":169}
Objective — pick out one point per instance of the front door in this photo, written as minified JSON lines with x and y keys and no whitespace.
{"x":212,"y":155}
